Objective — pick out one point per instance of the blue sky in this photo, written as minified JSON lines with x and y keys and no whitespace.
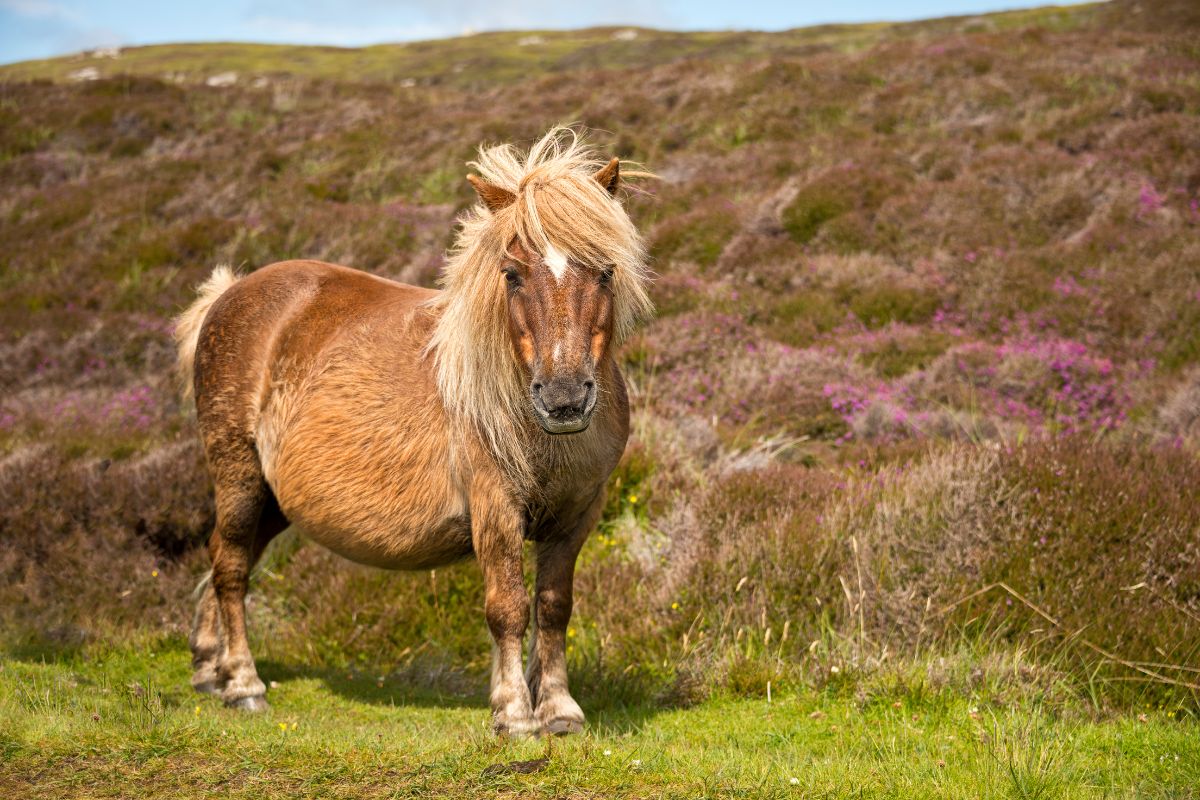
{"x":41,"y":28}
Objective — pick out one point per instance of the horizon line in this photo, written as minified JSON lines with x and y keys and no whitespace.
{"x":493,"y":31}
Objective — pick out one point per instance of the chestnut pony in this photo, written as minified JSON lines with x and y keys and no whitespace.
{"x":407,"y":428}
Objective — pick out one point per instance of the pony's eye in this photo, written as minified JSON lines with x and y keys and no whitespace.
{"x":606,"y":277}
{"x":513,"y":277}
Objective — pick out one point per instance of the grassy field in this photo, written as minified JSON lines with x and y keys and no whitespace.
{"x":917,"y":421}
{"x":125,"y":725}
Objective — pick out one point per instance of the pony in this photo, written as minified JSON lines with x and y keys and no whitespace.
{"x":407,"y":428}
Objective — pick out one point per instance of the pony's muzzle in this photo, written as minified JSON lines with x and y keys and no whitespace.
{"x":564,"y":405}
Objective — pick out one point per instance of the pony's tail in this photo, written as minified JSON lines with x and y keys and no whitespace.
{"x":187,"y":324}
{"x":202,"y":585}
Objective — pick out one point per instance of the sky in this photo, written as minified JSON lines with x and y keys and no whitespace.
{"x":42,"y":28}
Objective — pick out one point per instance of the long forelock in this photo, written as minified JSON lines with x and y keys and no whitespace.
{"x":559,"y":207}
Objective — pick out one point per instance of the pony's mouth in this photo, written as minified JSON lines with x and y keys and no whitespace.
{"x":566,"y":418}
{"x":557,"y":427}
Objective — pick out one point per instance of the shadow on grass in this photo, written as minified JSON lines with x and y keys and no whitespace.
{"x":429,"y":685}
{"x":42,"y":650}
{"x":618,"y":707}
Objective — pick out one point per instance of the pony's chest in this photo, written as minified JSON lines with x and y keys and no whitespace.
{"x":571,"y":478}
{"x":565,"y":503}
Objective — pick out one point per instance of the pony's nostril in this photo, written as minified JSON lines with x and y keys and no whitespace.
{"x":588,"y":384}
{"x":537,"y":387}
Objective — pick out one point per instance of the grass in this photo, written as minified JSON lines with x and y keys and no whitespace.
{"x":126,"y":724}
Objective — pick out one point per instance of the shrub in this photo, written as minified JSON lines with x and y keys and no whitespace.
{"x":93,"y":547}
{"x":811,"y":209}
{"x":698,"y":237}
{"x":1107,"y":546}
{"x":840,"y":205}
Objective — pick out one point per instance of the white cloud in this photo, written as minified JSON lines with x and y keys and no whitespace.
{"x":40,"y":28}
{"x":42,"y":9}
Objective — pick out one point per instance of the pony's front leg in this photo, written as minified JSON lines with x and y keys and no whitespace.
{"x":497,"y":528}
{"x":556,"y":711}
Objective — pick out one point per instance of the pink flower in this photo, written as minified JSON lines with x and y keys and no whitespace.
{"x":1150,"y":200}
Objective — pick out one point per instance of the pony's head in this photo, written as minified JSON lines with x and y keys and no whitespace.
{"x":560,"y":322}
{"x":547,"y":275}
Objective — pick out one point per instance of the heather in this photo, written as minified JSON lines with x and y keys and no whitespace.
{"x":917,"y":421}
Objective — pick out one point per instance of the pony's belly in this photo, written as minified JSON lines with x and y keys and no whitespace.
{"x":365,"y":470}
{"x":396,"y":509}
{"x":442,"y":542}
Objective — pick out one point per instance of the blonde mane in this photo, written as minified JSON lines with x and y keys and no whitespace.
{"x":558,"y":204}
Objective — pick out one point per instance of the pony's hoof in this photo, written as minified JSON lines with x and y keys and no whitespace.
{"x":206,"y":679}
{"x":516,"y":729}
{"x":559,"y":715}
{"x":254,"y":703}
{"x":562,"y":726}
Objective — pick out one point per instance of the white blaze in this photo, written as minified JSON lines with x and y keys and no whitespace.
{"x":557,"y":263}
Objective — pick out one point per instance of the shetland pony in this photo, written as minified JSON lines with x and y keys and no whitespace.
{"x":407,"y":428}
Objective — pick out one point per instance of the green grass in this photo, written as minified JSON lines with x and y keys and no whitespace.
{"x":126,"y":724}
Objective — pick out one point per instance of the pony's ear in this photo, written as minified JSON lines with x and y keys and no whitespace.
{"x":609,"y":176}
{"x":494,"y":197}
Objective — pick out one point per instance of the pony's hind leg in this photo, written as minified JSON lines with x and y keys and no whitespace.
{"x":247,"y":519}
{"x":206,"y":641}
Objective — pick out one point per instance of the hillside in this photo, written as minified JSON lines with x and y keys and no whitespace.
{"x":486,"y":59}
{"x":929,"y":322}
